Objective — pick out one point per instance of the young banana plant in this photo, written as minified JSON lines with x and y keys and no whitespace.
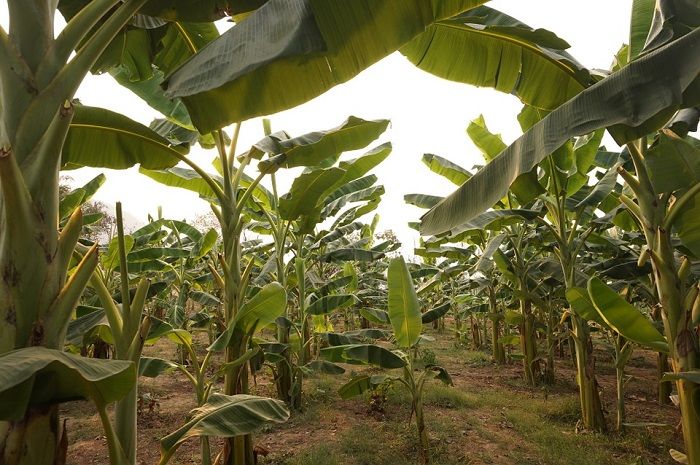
{"x":130,"y":328}
{"x":407,"y":324}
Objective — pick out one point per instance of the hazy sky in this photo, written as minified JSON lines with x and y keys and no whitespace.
{"x":428,"y":115}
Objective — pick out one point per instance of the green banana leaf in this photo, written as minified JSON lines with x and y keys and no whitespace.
{"x":183,"y":178}
{"x":257,"y":312}
{"x":374,"y":355}
{"x":320,"y":44}
{"x":360,"y":384}
{"x":307,"y":191}
{"x":349,"y":187}
{"x":101,"y":138}
{"x":673,"y":163}
{"x":375,"y":315}
{"x":445,"y":168}
{"x":435,"y":313}
{"x":323,"y":366}
{"x":581,"y":303}
{"x":35,"y":376}
{"x":362,"y":165}
{"x":487,"y":48}
{"x":151,"y":367}
{"x":422,"y":200}
{"x":640,"y":23}
{"x":77,"y":197}
{"x":526,"y":187}
{"x":226,"y":416}
{"x":262,"y":309}
{"x":350,"y":254}
{"x":329,"y":303}
{"x":321,"y":147}
{"x":404,"y":309}
{"x":624,"y":318}
{"x":653,"y":84}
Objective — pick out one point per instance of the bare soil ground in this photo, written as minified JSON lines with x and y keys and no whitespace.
{"x":489,"y":416}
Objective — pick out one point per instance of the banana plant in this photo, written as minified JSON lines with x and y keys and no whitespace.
{"x":130,"y":327}
{"x":406,"y":322}
{"x":320,"y":194}
{"x":95,"y":31}
{"x":42,"y":130}
{"x":238,"y":199}
{"x":662,"y":204}
{"x":655,"y":96}
{"x":582,"y":304}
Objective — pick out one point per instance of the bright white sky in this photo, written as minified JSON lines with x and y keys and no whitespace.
{"x":428,"y":115}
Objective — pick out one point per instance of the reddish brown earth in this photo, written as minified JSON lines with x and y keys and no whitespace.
{"x":491,"y":417}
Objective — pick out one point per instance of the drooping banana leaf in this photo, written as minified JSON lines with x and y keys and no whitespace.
{"x":653,"y":84}
{"x":36,"y":376}
{"x":315,"y":148}
{"x":621,"y":316}
{"x":226,"y":416}
{"x":320,"y":44}
{"x":487,"y":48}
{"x":103,"y":138}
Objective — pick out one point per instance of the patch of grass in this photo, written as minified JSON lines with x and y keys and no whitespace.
{"x":444,"y":396}
{"x":555,"y":442}
{"x":395,"y":444}
{"x":476,"y":358}
{"x":322,"y":389}
{"x":564,"y":410}
{"x":322,"y":454}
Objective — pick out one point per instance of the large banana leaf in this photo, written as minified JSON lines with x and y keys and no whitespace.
{"x":640,"y":23}
{"x":362,"y":165}
{"x":141,"y":54}
{"x":375,"y":355}
{"x":653,"y":84}
{"x":349,"y":188}
{"x":337,"y":233}
{"x":314,"y":148}
{"x":262,"y":309}
{"x":351,"y":254}
{"x":485,"y":47}
{"x":435,"y":313}
{"x":105,"y":139}
{"x":259,"y":311}
{"x":35,"y":376}
{"x":320,"y":44}
{"x":183,"y":178}
{"x":494,"y":220}
{"x":329,"y":303}
{"x":360,"y":384}
{"x":404,"y":309}
{"x":226,"y":416}
{"x":198,"y":10}
{"x":621,"y":316}
{"x":422,"y":200}
{"x":445,"y":168}
{"x":526,"y":187}
{"x":307,"y":191}
{"x":581,"y":303}
{"x":174,"y":10}
{"x":673,"y":163}
{"x":370,"y":194}
{"x":151,"y":367}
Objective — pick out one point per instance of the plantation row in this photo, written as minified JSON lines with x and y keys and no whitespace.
{"x":555,"y":244}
